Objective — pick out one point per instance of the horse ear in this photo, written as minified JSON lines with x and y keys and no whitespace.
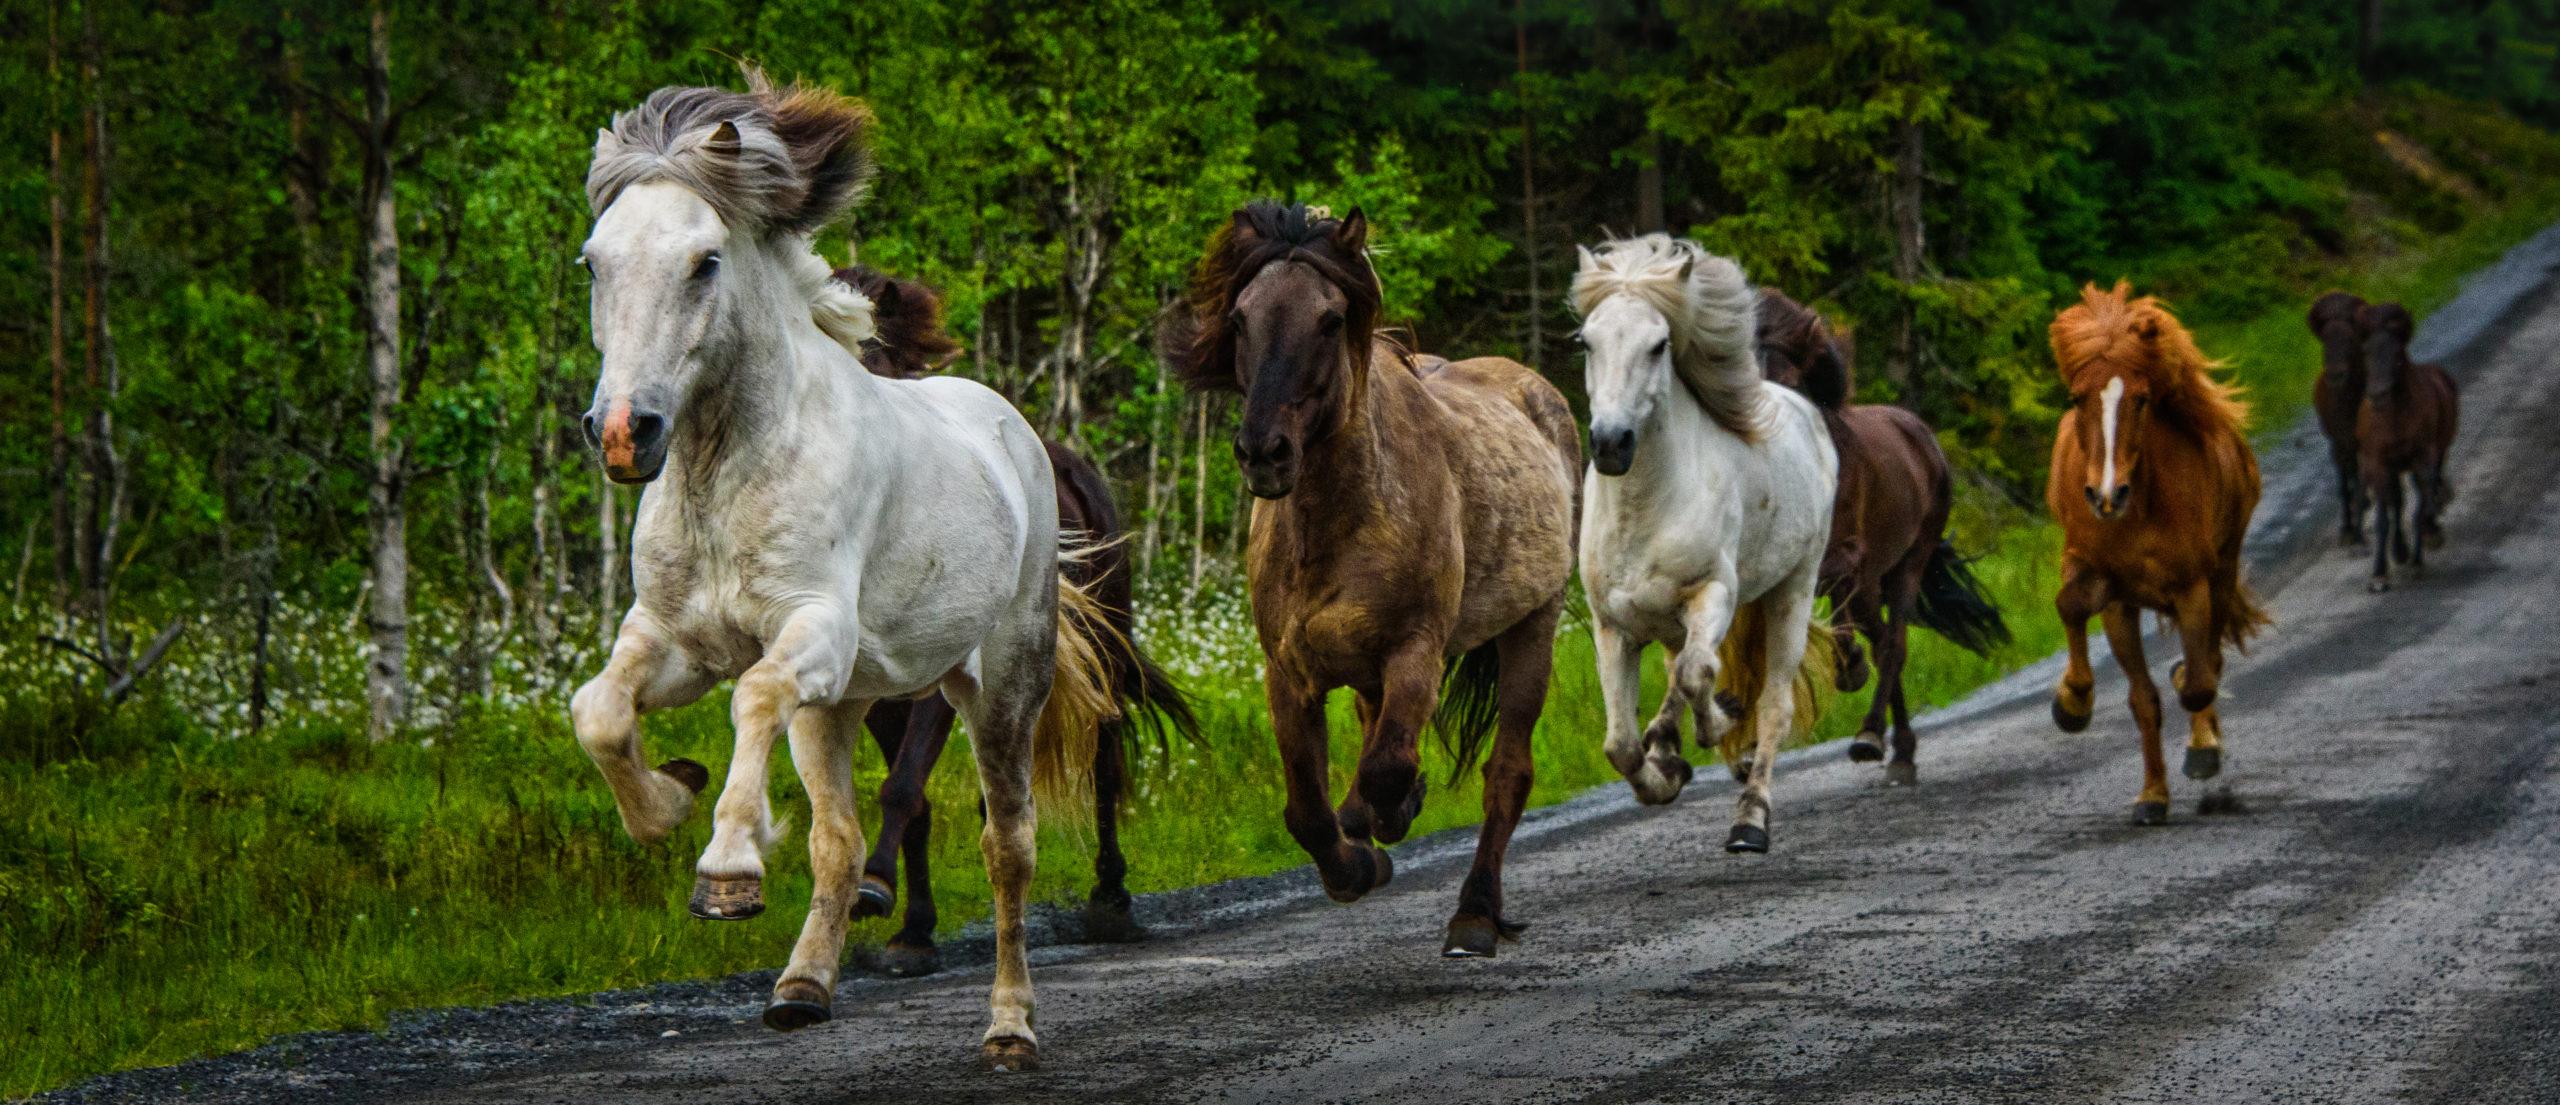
{"x":885,"y":302}
{"x":2147,"y":328}
{"x":1583,"y":261}
{"x":1687,"y":264}
{"x":606,"y":144}
{"x":1352,"y":233}
{"x":723,"y":140}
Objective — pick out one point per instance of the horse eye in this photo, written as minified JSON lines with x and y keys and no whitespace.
{"x":709,"y":264}
{"x":1330,"y":322}
{"x":1235,"y":320}
{"x":1661,"y":346}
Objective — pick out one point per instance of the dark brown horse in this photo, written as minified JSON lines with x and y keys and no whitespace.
{"x":1414,"y":527}
{"x":2404,"y":427}
{"x":909,"y":340}
{"x":2337,"y":396}
{"x":1889,"y":563}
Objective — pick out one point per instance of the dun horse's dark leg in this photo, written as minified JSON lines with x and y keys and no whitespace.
{"x":1527,"y":659}
{"x":1348,"y":868}
{"x":1106,"y":910}
{"x":906,"y":824}
{"x":1389,"y":787}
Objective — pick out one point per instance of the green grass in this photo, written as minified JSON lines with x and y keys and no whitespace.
{"x":172,"y":892}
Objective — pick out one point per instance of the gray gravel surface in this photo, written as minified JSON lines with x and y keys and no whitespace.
{"x":2380,"y":921}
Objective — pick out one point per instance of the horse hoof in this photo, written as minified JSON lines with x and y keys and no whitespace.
{"x":694,"y":776}
{"x":1009,"y":1055}
{"x":2378,"y":586}
{"x":1747,"y":838}
{"x":1866,"y":748}
{"x":797,"y":1004}
{"x":2151,"y":813}
{"x":903,"y":960}
{"x":727,"y":897}
{"x":1392,"y":827}
{"x":1741,"y":771}
{"x":1376,"y":870}
{"x":874,"y":898}
{"x":1109,"y":922}
{"x":2068,"y":721}
{"x":1470,"y":938}
{"x":2202,"y":763}
{"x":1902,"y":773}
{"x":1852,"y":676}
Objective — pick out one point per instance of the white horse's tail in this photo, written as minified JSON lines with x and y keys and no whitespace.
{"x":1744,"y":662}
{"x":1713,"y":312}
{"x":1080,"y":698}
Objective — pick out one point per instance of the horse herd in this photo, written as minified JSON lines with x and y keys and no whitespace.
{"x":899,"y":549}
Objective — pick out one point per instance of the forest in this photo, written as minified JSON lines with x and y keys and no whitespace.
{"x":304,"y":552}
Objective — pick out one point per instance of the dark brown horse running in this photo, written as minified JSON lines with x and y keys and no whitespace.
{"x":909,"y":341}
{"x":2337,"y":396}
{"x":2404,"y":427}
{"x":1416,"y":523}
{"x":1889,"y":563}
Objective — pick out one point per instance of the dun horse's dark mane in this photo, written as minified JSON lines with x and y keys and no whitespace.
{"x":908,"y":339}
{"x":1197,"y":345}
{"x":1800,"y":332}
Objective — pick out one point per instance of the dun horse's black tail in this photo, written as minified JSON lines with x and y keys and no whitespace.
{"x":1470,"y":703}
{"x":1952,"y":604}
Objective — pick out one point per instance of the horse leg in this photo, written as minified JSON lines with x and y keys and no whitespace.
{"x":1527,"y":656}
{"x":906,"y":826}
{"x":2433,"y":493}
{"x":1663,"y":731}
{"x":2078,"y":600}
{"x":1002,"y":713}
{"x":2124,"y":638}
{"x":1866,"y":612}
{"x":1347,"y":868}
{"x":1620,"y":656}
{"x":1107,"y":919}
{"x":2423,"y":521}
{"x":2198,"y":680}
{"x":2350,"y":498}
{"x":1786,"y":612}
{"x":2385,"y":491}
{"x":1390,"y":777}
{"x":1893,"y":650}
{"x":822,"y":751}
{"x":645,"y":673}
{"x":1694,"y":671}
{"x":1842,"y":565}
{"x":806,"y":664}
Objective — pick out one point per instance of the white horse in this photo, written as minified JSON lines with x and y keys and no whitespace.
{"x":1704,"y":515}
{"x":825,"y":537}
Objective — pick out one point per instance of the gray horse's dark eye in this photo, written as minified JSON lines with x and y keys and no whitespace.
{"x":709,"y":264}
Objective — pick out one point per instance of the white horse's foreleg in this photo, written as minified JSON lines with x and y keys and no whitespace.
{"x":645,"y":673}
{"x":1789,"y":610}
{"x":1699,"y":663}
{"x":1664,"y":729}
{"x":1621,"y":661}
{"x":822,"y":741}
{"x":807,"y":663}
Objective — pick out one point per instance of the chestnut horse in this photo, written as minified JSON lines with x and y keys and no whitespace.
{"x":2337,"y":396}
{"x":1889,"y":563}
{"x":2404,"y":426}
{"x":1414,"y":525}
{"x":908,"y":342}
{"x":2155,"y":448}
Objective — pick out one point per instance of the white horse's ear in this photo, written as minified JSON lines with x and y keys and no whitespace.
{"x":1583,"y":260}
{"x":1687,"y":264}
{"x":723,"y":141}
{"x":606,"y":144}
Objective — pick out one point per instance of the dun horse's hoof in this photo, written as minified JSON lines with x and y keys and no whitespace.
{"x":1009,"y":1055}
{"x":727,"y":897}
{"x":2378,"y":585}
{"x":874,"y":898}
{"x":1902,"y":773}
{"x":1866,"y":748}
{"x":694,"y":776}
{"x":904,"y":960}
{"x":1747,"y":838}
{"x":2151,"y":813}
{"x":797,"y":1004}
{"x":1107,"y":920}
{"x":2068,"y":721}
{"x":2202,"y":763}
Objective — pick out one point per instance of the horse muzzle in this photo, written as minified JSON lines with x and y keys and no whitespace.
{"x":1613,"y":450}
{"x":631,"y":439}
{"x":1270,"y":467}
{"x":2109,"y":504}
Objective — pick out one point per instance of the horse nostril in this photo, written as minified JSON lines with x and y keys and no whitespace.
{"x":595,"y":440}
{"x":647,"y":427}
{"x":2091,"y":494}
{"x":2123,"y":492}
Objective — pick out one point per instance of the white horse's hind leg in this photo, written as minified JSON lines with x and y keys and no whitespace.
{"x":645,"y":673}
{"x":1001,"y":714}
{"x":1787,"y":611}
{"x":822,"y":741}
{"x":807,"y":663}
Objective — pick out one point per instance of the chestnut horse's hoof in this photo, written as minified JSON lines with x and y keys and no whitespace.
{"x":727,"y":897}
{"x":1747,"y":838}
{"x":1902,"y":773}
{"x":2151,"y":813}
{"x":1472,"y":937}
{"x":1866,"y":748}
{"x":2068,"y":721}
{"x":874,"y":898}
{"x":797,"y":1004}
{"x":1375,"y":870}
{"x":904,"y":960}
{"x":2379,"y":585}
{"x":2202,"y":763}
{"x":1392,"y":825}
{"x":1008,"y":1055}
{"x":1107,"y":920}
{"x":694,"y":776}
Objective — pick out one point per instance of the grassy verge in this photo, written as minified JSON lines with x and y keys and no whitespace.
{"x":171,"y":893}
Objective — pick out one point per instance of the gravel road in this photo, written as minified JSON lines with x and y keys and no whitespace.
{"x":2380,"y":921}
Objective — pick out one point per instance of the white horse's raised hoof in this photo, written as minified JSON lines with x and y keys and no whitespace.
{"x":797,"y":1004}
{"x":1747,"y":838}
{"x":727,"y":897}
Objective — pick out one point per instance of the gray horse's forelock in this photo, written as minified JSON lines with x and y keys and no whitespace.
{"x":1712,"y":312}
{"x":786,"y":160}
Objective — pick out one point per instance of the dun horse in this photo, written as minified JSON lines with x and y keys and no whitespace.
{"x":909,"y":343}
{"x":1889,"y":563}
{"x":827,"y":538}
{"x":2404,"y":427}
{"x":1708,"y":507}
{"x":2153,"y":482}
{"x":1414,"y":522}
{"x":2337,"y":395}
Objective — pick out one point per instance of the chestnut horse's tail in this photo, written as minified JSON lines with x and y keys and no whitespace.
{"x":1080,"y":694}
{"x":1953,"y":604}
{"x":2236,"y":613}
{"x":1744,"y":662}
{"x":1470,"y":704}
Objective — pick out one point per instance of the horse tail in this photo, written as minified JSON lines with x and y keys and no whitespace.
{"x":2236,"y":613}
{"x":1953,"y":604}
{"x":1080,"y":693}
{"x":1743,"y":672}
{"x":1152,"y":701}
{"x":1470,"y":704}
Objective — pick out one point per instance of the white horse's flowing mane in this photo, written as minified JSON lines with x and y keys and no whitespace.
{"x":1712,"y":310}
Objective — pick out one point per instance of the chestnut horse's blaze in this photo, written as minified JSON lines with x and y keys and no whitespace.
{"x":2154,"y":483}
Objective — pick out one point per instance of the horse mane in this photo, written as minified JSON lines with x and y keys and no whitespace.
{"x":1711,"y":308}
{"x":908,"y":340}
{"x":2113,"y":330}
{"x":2391,"y":322}
{"x":1197,"y":344}
{"x":1800,"y":332}
{"x":2336,"y":307}
{"x":781,"y":160}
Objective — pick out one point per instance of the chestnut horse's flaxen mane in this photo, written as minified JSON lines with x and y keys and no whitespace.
{"x":2112,"y":332}
{"x":1198,"y":344}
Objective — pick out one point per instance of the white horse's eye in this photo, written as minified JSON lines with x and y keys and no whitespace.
{"x":709,"y":264}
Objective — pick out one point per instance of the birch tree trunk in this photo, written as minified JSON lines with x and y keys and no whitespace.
{"x":58,"y":483}
{"x":105,"y":496}
{"x":1910,"y":258}
{"x":1528,"y":189}
{"x":387,"y":621}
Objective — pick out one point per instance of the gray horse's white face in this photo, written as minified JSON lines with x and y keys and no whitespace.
{"x":1626,"y":365}
{"x":656,"y":258}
